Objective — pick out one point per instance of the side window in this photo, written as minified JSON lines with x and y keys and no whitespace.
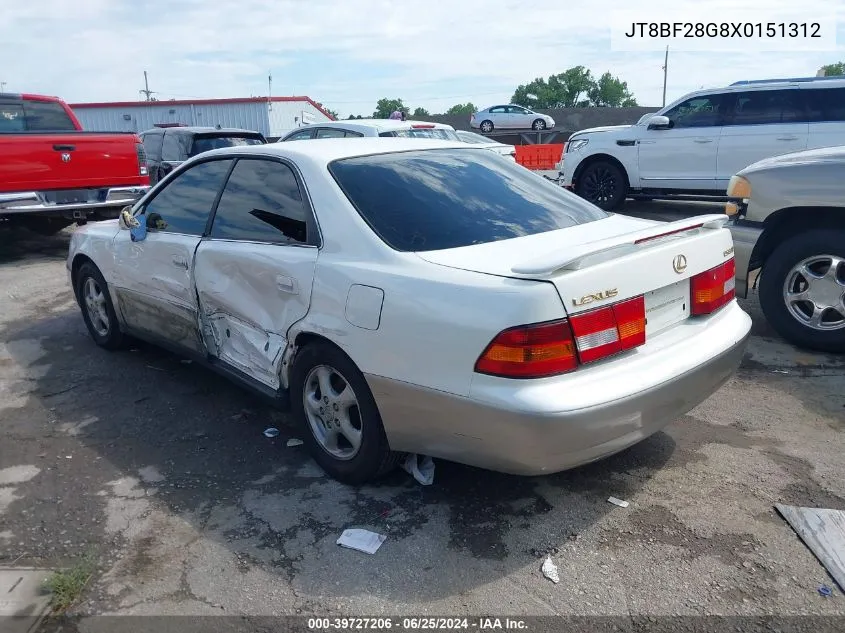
{"x":825,"y":104}
{"x":11,"y":117}
{"x":152,"y":145}
{"x":704,"y":111}
{"x":497,"y":110}
{"x":47,"y":116}
{"x":517,"y":110}
{"x":261,"y":203}
{"x":760,"y":107}
{"x":350,"y":133}
{"x":183,"y":206}
{"x":171,"y":148}
{"x":328,"y":132}
{"x":300,"y":136}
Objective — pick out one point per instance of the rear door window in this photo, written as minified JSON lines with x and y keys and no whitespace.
{"x":47,"y":116}
{"x":435,"y":199}
{"x":262,"y":202}
{"x":301,"y":136}
{"x":173,"y":147}
{"x":328,"y":132}
{"x":826,"y":104}
{"x":761,"y":107}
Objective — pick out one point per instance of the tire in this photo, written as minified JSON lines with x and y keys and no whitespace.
{"x":602,"y":183}
{"x":486,"y":126}
{"x":373,"y":456}
{"x":110,"y":336}
{"x":781,"y":275}
{"x":538,"y":125}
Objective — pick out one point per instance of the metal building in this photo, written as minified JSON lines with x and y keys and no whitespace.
{"x":273,"y":116}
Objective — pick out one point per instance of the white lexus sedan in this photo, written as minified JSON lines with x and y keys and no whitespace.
{"x":419,"y":296}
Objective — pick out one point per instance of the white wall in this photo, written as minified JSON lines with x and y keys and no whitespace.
{"x":287,"y":115}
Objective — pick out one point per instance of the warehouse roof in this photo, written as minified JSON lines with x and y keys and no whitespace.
{"x":171,"y":102}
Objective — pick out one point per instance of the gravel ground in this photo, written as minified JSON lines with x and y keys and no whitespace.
{"x":160,"y":470}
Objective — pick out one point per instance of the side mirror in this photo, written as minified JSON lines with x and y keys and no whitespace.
{"x":659,"y":123}
{"x":126,"y":220}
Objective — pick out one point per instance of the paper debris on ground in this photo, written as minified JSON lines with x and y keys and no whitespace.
{"x":823,"y":531}
{"x":421,"y":467}
{"x":780,"y":371}
{"x":271,"y":432}
{"x":549,"y":570}
{"x":361,"y":540}
{"x":618,"y":502}
{"x":295,"y":442}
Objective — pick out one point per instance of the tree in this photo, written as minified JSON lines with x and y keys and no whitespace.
{"x":462,"y":108}
{"x":334,"y":113}
{"x":564,"y":90}
{"x":420,"y":113}
{"x":834,"y":69}
{"x":385,"y":106}
{"x":574,"y":88}
{"x":354,"y":116}
{"x":609,"y":91}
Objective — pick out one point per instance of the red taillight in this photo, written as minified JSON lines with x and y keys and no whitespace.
{"x":548,"y":349}
{"x":530,"y":351}
{"x":142,"y":159}
{"x":713,"y":288}
{"x":426,"y":126}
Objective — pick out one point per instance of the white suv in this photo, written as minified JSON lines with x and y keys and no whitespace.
{"x":694,"y":145}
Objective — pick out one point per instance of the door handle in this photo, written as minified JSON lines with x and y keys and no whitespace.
{"x":787,"y":138}
{"x":180,"y":261}
{"x":704,"y":140}
{"x":286,"y":284}
{"x":64,"y":148}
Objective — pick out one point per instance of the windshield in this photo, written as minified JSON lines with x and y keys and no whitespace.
{"x":472,"y":137}
{"x":428,"y":132}
{"x":207,"y":143}
{"x":434,"y":199}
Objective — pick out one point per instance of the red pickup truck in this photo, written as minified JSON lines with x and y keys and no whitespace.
{"x":53,"y":174}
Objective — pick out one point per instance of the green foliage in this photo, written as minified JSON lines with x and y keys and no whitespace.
{"x":462,"y":108}
{"x":834,"y":69}
{"x":385,"y":106}
{"x":572,"y":88}
{"x":420,"y":113}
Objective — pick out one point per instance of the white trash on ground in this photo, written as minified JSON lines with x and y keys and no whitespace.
{"x":361,"y":540}
{"x":295,"y":442}
{"x":618,"y":502}
{"x":421,"y":467}
{"x":271,"y":432}
{"x":549,"y":570}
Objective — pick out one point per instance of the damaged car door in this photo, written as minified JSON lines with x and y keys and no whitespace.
{"x":254,"y":272}
{"x":153,"y":274}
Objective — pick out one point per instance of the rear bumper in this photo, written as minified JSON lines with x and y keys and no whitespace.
{"x":96,"y":200}
{"x":524,"y":435}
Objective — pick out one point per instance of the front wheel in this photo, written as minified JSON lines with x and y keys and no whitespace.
{"x":802,"y":290}
{"x":603,"y":184}
{"x":97,"y":309}
{"x":337,"y":413}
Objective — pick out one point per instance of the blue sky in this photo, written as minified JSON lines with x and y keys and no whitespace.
{"x":347,"y":54}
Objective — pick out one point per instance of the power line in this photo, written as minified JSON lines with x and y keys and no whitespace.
{"x":146,"y":91}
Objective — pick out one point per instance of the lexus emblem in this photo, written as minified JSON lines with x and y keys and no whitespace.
{"x":679,"y":263}
{"x":65,"y":157}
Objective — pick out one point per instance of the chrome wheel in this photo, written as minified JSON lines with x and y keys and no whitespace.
{"x":486,"y":127}
{"x":539,"y":124}
{"x":814,"y":292}
{"x":95,"y":305}
{"x":331,"y":408}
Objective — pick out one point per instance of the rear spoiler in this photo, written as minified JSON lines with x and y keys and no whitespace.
{"x":594,"y":253}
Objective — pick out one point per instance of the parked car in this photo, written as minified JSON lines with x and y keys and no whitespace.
{"x":695,"y":144}
{"x":169,"y":146}
{"x":372,"y":127}
{"x":52,"y":173}
{"x":510,"y":117}
{"x":788,"y":220}
{"x":476,"y":139}
{"x":425,"y":297}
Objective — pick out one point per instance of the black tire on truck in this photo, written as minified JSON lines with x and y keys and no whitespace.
{"x":802,"y":290}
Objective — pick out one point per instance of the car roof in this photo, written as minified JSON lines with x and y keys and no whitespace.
{"x":330,"y":149}
{"x":814,"y":83}
{"x":381,"y":124}
{"x":193,"y":129}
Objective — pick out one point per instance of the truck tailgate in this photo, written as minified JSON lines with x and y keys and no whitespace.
{"x":70,"y":160}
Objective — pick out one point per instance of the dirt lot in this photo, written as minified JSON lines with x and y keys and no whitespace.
{"x":161,"y":472}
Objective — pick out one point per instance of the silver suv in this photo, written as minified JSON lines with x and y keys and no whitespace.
{"x":788,"y":221}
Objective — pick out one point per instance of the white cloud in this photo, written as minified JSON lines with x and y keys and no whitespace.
{"x":432,"y":54}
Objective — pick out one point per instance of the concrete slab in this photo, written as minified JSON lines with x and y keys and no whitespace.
{"x":22,"y":600}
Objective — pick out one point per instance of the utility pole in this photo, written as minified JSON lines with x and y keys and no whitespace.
{"x":146,"y":91}
{"x":2,"y":86}
{"x":665,"y":73}
{"x":269,"y":90}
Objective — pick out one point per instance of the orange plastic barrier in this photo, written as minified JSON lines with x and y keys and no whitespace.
{"x":539,"y":156}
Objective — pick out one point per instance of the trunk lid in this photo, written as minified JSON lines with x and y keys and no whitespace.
{"x":600,"y":263}
{"x":71,"y":160}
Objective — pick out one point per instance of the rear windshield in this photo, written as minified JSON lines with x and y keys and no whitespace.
{"x":426,"y":132}
{"x":447,"y":198}
{"x":206,"y":143}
